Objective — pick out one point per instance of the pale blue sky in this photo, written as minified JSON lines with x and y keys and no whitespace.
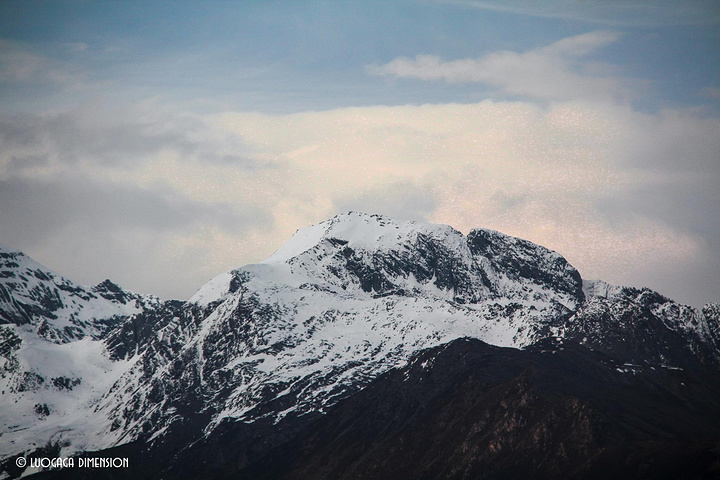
{"x":287,"y":56}
{"x":193,"y":137}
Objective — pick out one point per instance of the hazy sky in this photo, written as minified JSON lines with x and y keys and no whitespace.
{"x":161,"y":143}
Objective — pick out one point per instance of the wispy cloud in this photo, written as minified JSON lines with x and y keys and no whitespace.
{"x":554,"y":72}
{"x":76,"y":46}
{"x":19,"y":64}
{"x":711,"y":92}
{"x":608,"y":12}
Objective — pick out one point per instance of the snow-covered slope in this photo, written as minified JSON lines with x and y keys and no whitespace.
{"x":342,"y":302}
{"x":54,"y":366}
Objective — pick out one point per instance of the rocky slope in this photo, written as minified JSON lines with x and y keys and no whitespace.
{"x":469,"y":410}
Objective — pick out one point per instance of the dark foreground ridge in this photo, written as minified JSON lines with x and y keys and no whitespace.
{"x":469,"y":410}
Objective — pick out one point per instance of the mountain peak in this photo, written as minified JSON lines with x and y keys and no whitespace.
{"x":357,"y":229}
{"x":378,"y":255}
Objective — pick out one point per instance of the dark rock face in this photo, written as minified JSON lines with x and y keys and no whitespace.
{"x":522,"y":259}
{"x":135,"y":332}
{"x":429,"y":259}
{"x":471,"y":410}
{"x":111,"y":291}
{"x":58,"y":308}
{"x":711,"y":311}
{"x":641,"y":326}
{"x":555,"y":410}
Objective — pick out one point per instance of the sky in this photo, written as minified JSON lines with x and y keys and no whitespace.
{"x":161,"y":143}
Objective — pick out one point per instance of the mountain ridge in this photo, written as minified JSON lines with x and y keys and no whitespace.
{"x":338,"y":305}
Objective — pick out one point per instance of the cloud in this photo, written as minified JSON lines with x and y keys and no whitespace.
{"x":403,"y":201}
{"x":608,"y":12}
{"x":711,"y":92}
{"x":90,"y":229}
{"x":549,"y":73}
{"x":94,"y":134}
{"x":19,"y":64}
{"x":76,"y":46}
{"x":68,"y":200}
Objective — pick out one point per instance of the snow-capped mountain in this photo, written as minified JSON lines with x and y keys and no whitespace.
{"x":56,"y":308}
{"x":333,"y":309}
{"x":53,"y":363}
